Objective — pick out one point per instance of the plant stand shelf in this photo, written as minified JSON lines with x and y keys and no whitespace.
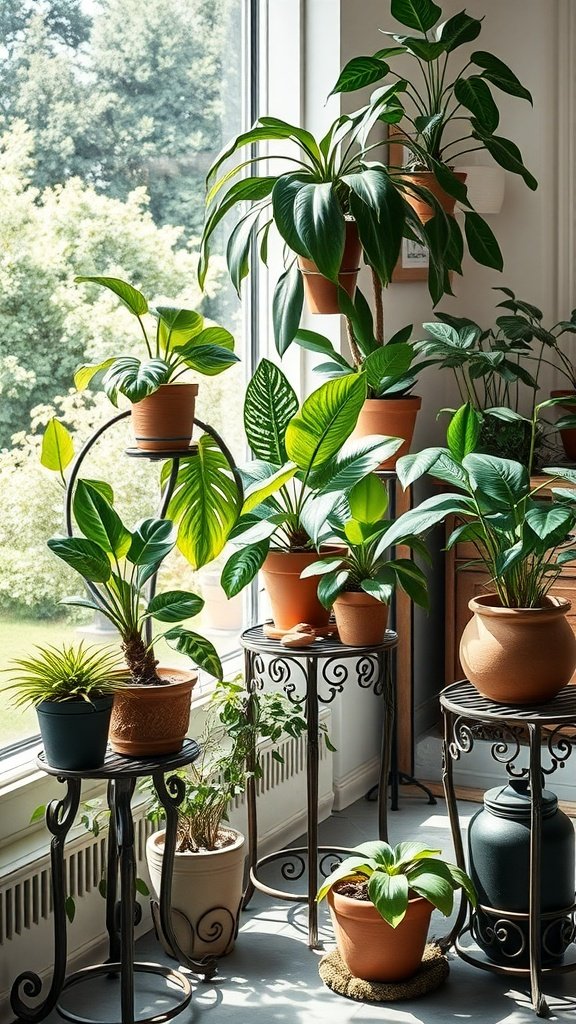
{"x":311,"y":678}
{"x":463,"y":709}
{"x":122,"y":911}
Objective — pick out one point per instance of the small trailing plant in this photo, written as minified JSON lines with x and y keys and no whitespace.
{"x":67,"y":673}
{"x":388,"y":876}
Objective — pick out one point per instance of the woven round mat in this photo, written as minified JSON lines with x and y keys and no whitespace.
{"x":433,"y":972}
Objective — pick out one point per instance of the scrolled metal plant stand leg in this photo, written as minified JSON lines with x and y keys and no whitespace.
{"x":170,"y":794}
{"x":388,"y":742}
{"x":538,"y":1001}
{"x":122,"y":811}
{"x":451,"y":803}
{"x":112,"y":907}
{"x":249,"y":660}
{"x":60,"y":815}
{"x":312,"y":759}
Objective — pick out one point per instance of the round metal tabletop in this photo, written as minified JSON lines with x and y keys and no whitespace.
{"x":117,"y":765}
{"x":254,"y":639}
{"x":462,"y":698}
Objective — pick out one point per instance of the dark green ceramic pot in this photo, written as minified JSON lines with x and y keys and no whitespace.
{"x":75,"y":732}
{"x":499,"y":858}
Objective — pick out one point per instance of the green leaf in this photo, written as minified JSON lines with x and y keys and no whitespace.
{"x":133,"y":379}
{"x":379,"y":211}
{"x":368,"y":499}
{"x":269,"y":405}
{"x":152,"y":540}
{"x":429,"y":513}
{"x":207,"y":359}
{"x":412,"y":580}
{"x":242,"y":567}
{"x":422,"y":48}
{"x":141,"y":887}
{"x":459,"y":29}
{"x":501,"y":480}
{"x":38,"y":814}
{"x":214,"y":336}
{"x":380,"y":589}
{"x":463,"y":431}
{"x":357,"y":458}
{"x":418,"y":14}
{"x":57,"y":449}
{"x":284,"y":195}
{"x":85,"y":373}
{"x":314,"y":342}
{"x":319,"y":223}
{"x":388,"y":361}
{"x":99,"y":521}
{"x":411,"y":467}
{"x":500,"y":75}
{"x":129,"y":296}
{"x":360,"y":72}
{"x":389,"y":894}
{"x":326,"y":420}
{"x":378,"y":850}
{"x":177,"y":326}
{"x":174,"y":606}
{"x":238,"y":249}
{"x":259,"y":492}
{"x":322,"y":566}
{"x":70,"y":908}
{"x":330,"y":586}
{"x":84,"y":556}
{"x":475,"y":95}
{"x":287,"y":303}
{"x":200,"y":651}
{"x":432,"y":880}
{"x":505,"y":153}
{"x":549,"y":522}
{"x":205,"y":504}
{"x":347,"y":869}
{"x":481,"y":241}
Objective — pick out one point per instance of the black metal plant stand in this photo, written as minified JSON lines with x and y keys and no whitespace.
{"x":462,"y":706}
{"x":122,"y":911}
{"x":311,"y":678}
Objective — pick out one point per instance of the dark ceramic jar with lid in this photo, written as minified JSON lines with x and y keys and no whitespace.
{"x":499,"y":858}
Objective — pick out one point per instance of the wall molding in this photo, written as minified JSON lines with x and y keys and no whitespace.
{"x":566,"y":157}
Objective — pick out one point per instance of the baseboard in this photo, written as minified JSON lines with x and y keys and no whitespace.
{"x":355,"y":784}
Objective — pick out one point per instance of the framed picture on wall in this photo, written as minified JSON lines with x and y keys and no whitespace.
{"x":413,"y":261}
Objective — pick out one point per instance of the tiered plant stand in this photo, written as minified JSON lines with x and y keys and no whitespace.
{"x":464,"y":710}
{"x":311,"y":678}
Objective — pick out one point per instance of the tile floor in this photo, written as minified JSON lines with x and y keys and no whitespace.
{"x":272,"y":976}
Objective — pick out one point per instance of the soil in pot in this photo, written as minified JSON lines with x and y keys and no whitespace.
{"x":569,"y":435}
{"x":165,"y":419}
{"x":75,"y":732}
{"x":206,"y":894}
{"x":426,"y":179}
{"x":294,"y":600}
{"x":518,"y":655}
{"x":360,"y":618}
{"x":148,"y":721}
{"x":369,"y":946}
{"x":392,"y":417}
{"x":321,"y":294}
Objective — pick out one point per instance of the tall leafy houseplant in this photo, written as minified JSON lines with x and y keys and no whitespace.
{"x":304,"y":466}
{"x":522,"y":539}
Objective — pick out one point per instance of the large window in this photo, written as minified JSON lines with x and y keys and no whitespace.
{"x":110,"y":114}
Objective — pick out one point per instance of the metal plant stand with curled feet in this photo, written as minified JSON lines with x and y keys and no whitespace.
{"x":464,"y":710}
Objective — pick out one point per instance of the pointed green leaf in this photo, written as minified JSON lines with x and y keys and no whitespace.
{"x":174,"y":606}
{"x":208,"y":359}
{"x":360,"y":72}
{"x":84,"y":556}
{"x":481,"y":241}
{"x":497,"y":72}
{"x":85,"y":373}
{"x":326,"y":420}
{"x":99,"y":521}
{"x":319,"y":223}
{"x":418,"y":14}
{"x":57,"y":449}
{"x":152,"y":541}
{"x":503,"y":481}
{"x":269,"y":406}
{"x":505,"y":153}
{"x":459,"y":29}
{"x":259,"y":492}
{"x":287,"y":303}
{"x":242,"y":567}
{"x":330,"y":586}
{"x":463,"y":431}
{"x":389,"y":894}
{"x":128,"y":295}
{"x":475,"y":95}
{"x":353,"y":462}
{"x":200,"y":651}
{"x":369,"y":499}
{"x":134,"y":379}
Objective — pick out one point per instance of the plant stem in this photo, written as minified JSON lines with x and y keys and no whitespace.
{"x":379,"y":307}
{"x":356,"y":356}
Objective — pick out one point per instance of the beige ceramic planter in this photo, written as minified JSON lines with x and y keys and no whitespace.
{"x":392,"y":417}
{"x":370,"y":947}
{"x":518,"y":655}
{"x":164,"y":420}
{"x":152,"y":720}
{"x":360,"y":618}
{"x":206,"y":895}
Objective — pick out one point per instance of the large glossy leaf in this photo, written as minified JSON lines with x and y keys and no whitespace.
{"x":418,"y":14}
{"x":368,"y":499}
{"x":205,"y":503}
{"x":177,"y":325}
{"x":152,"y":540}
{"x":314,"y":342}
{"x":357,"y":458}
{"x":99,"y":521}
{"x":238,"y":249}
{"x":287,"y":303}
{"x":388,"y":361}
{"x":319,"y":223}
{"x":269,"y":405}
{"x":380,"y":222}
{"x":501,"y":481}
{"x":242,"y":567}
{"x":259,"y":492}
{"x":475,"y":95}
{"x":84,"y":556}
{"x":499,"y":74}
{"x":200,"y":651}
{"x":360,"y":72}
{"x":482,"y":241}
{"x":356,"y":865}
{"x":424,"y":49}
{"x":432,"y":880}
{"x":463,"y":431}
{"x":57,"y":449}
{"x":129,"y":296}
{"x":331,"y":585}
{"x":326,"y":420}
{"x":174,"y":606}
{"x":411,"y":467}
{"x":505,"y":153}
{"x":459,"y":29}
{"x":215,"y":336}
{"x":133,"y":379}
{"x":86,"y":373}
{"x":248,"y":189}
{"x":550,"y":523}
{"x":208,"y":359}
{"x":284,"y":195}
{"x":389,"y":894}
{"x":428,"y":514}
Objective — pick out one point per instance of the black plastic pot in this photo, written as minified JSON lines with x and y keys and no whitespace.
{"x":75,"y":732}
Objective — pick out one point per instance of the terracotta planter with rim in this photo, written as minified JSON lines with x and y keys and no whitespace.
{"x":569,"y":435}
{"x":360,"y":618}
{"x":370,"y":947}
{"x":294,"y":600}
{"x":321,"y":294}
{"x":151,"y":720}
{"x":164,"y":420}
{"x":206,"y":895}
{"x":426,"y":179}
{"x":518,"y":655}
{"x":392,"y":417}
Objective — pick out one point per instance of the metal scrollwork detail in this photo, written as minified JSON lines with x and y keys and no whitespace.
{"x":255,"y":673}
{"x":559,"y":749}
{"x":329,"y":862}
{"x":334,"y":674}
{"x":507,"y":749}
{"x":293,"y":867}
{"x":367,"y":672}
{"x":462,"y":739}
{"x":558,"y":935}
{"x":502,"y":933}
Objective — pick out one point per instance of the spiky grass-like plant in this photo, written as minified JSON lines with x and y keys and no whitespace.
{"x":65,"y":673}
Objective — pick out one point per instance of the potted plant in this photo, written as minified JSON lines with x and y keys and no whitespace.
{"x":360,"y":582}
{"x":381,"y":900}
{"x":162,"y":405}
{"x":295,"y":486}
{"x":522,"y":541}
{"x":72,"y":689}
{"x":150,"y":715}
{"x":207,"y":880}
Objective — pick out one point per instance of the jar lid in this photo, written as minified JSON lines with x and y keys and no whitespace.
{"x":514,"y":801}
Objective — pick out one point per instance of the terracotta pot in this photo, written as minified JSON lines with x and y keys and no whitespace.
{"x":360,"y":618}
{"x":393,"y":417}
{"x":206,"y":895}
{"x":370,"y":947}
{"x":569,"y":435}
{"x":518,"y":655}
{"x":152,"y":720}
{"x":321,"y":294}
{"x":426,"y":179}
{"x":294,"y":600}
{"x":164,"y":420}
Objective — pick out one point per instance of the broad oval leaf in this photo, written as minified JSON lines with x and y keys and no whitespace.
{"x":287,"y":303}
{"x":501,"y":480}
{"x":152,"y":540}
{"x":99,"y":521}
{"x":84,"y":556}
{"x":389,"y":894}
{"x":85,"y":373}
{"x":174,"y":606}
{"x":177,"y":325}
{"x":207,"y":359}
{"x":319,"y":222}
{"x":418,"y":14}
{"x":357,"y":458}
{"x":482,"y":241}
{"x":331,"y":585}
{"x":326,"y":420}
{"x":57,"y":449}
{"x":497,"y":72}
{"x":369,"y":499}
{"x":128,"y":295}
{"x":242,"y":567}
{"x":463,"y":431}
{"x":549,"y":522}
{"x":459,"y":29}
{"x":133,"y":379}
{"x":259,"y":492}
{"x":200,"y":651}
{"x":388,"y":361}
{"x":269,"y":405}
{"x":475,"y":95}
{"x":360,"y":72}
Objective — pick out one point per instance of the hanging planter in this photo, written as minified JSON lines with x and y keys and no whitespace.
{"x":390,"y":417}
{"x":321,"y":293}
{"x":152,"y":720}
{"x":426,"y":179}
{"x":163,"y":421}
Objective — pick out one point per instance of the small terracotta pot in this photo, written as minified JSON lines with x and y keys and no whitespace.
{"x":152,"y":720}
{"x":321,"y":294}
{"x":164,"y":420}
{"x":370,"y":947}
{"x":294,"y":600}
{"x":569,"y":435}
{"x":393,"y":417}
{"x":518,"y":655}
{"x":360,"y":618}
{"x":426,"y":179}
